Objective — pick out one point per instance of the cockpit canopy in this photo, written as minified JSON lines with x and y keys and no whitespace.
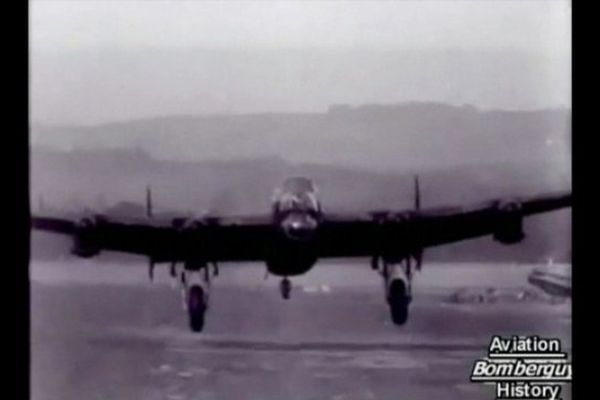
{"x":298,"y":185}
{"x":298,"y":202}
{"x":297,"y":194}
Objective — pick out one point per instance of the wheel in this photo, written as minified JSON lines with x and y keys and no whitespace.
{"x":286,"y":288}
{"x":398,"y":300}
{"x":196,"y":308}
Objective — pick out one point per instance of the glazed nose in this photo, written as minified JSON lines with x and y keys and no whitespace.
{"x":299,"y":226}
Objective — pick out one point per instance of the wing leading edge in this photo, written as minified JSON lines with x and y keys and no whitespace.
{"x":239,"y":239}
{"x":250,"y":238}
{"x":402,"y":232}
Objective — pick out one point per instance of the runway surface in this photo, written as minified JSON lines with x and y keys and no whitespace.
{"x":102,"y":331}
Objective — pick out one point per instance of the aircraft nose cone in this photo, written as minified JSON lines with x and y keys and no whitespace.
{"x":299,"y":226}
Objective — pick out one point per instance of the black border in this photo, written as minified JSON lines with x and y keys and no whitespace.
{"x":583,"y":313}
{"x":15,"y":276}
{"x":16,"y":153}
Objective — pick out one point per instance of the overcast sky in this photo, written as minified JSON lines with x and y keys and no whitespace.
{"x":67,"y":35}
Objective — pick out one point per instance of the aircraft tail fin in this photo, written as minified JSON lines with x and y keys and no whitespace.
{"x":151,"y":262}
{"x":417,"y":193}
{"x":418,"y":254}
{"x":148,"y":201}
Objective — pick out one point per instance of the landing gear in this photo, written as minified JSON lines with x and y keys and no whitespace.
{"x":398,"y":300}
{"x":195,"y":283}
{"x":286,"y":288}
{"x":196,"y":305}
{"x":397,"y":280}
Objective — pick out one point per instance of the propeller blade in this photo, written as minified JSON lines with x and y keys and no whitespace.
{"x":418,"y":256}
{"x":375,"y":263}
{"x":151,"y":269}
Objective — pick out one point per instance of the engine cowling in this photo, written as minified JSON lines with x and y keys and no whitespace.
{"x":85,"y":242}
{"x":509,"y":228}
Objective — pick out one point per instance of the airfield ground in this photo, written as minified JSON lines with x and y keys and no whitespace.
{"x":102,"y":331}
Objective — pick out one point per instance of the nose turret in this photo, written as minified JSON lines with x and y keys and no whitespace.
{"x":298,"y":225}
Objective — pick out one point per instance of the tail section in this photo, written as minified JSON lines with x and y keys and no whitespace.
{"x":417,"y":194}
{"x":151,"y":262}
{"x":148,"y":201}
{"x":418,"y":254}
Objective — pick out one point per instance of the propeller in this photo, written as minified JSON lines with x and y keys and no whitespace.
{"x":375,"y":263}
{"x":418,"y":256}
{"x":151,"y":269}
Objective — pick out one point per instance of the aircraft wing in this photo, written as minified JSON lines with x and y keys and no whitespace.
{"x":250,"y":238}
{"x":396,"y":232}
{"x":53,"y":224}
{"x":215,"y":239}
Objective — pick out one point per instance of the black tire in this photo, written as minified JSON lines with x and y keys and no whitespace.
{"x":398,"y":300}
{"x":286,"y":289}
{"x":196,"y":308}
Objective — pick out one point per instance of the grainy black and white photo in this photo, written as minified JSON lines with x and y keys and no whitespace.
{"x":334,"y":200}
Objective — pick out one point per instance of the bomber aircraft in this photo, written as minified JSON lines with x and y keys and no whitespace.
{"x":296,"y":234}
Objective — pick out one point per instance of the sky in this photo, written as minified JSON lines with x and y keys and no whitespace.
{"x":93,"y":61}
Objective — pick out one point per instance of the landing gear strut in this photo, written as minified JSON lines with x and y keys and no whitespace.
{"x":286,"y":288}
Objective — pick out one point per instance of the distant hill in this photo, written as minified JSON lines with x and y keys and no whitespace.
{"x":399,"y":137}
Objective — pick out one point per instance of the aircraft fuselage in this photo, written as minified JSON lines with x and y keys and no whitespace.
{"x":296,"y":217}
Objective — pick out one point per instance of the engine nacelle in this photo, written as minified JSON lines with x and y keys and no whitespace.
{"x":85,"y":242}
{"x":509,"y":228}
